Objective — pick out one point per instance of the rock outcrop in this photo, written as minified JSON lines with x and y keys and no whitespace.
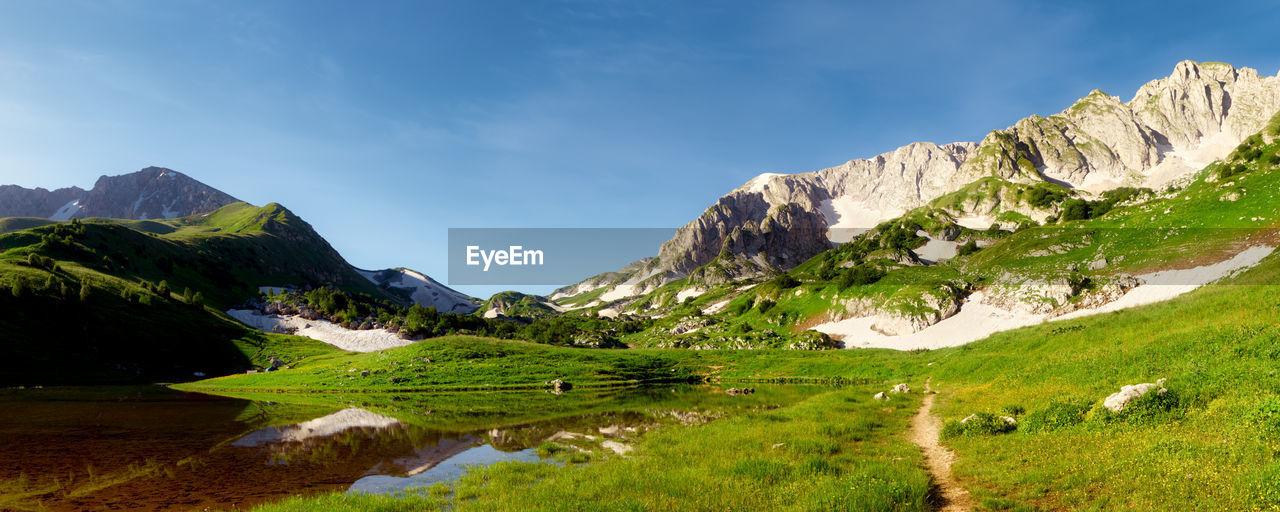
{"x":1116,"y":402}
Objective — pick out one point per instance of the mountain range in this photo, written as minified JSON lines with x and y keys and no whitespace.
{"x":152,"y":193}
{"x":1054,"y":216}
{"x":1171,"y":128}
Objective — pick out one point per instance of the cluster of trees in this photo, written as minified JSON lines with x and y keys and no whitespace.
{"x":21,"y":288}
{"x":1044,"y":195}
{"x":43,"y":262}
{"x":1081,"y":209}
{"x":860,"y":275}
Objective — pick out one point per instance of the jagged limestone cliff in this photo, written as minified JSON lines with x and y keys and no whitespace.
{"x":1172,"y":127}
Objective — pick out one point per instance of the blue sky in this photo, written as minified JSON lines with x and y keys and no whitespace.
{"x":386,"y":123}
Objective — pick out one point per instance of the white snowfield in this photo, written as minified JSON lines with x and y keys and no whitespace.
{"x":976,"y":320}
{"x":847,"y":218}
{"x":425,"y":290}
{"x":67,"y":211}
{"x":689,"y":292}
{"x":324,"y":426}
{"x":936,"y":250}
{"x":976,"y":222}
{"x":322,"y":330}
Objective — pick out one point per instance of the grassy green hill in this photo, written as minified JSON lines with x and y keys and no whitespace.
{"x":84,"y":302}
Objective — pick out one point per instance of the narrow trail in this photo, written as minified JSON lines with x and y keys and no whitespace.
{"x":925,"y":431}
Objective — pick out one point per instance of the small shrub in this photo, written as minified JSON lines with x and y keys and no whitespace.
{"x":968,"y":248}
{"x":19,"y":288}
{"x":1013,"y":410}
{"x":980,"y":424}
{"x":1056,"y":415}
{"x":765,"y":305}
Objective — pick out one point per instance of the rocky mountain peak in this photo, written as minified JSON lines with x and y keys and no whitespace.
{"x":151,"y":193}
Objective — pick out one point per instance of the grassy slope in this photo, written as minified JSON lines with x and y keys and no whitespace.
{"x":1215,"y":450}
{"x":464,"y":362}
{"x":52,"y":337}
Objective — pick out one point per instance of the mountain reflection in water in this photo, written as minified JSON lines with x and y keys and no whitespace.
{"x":150,"y":448}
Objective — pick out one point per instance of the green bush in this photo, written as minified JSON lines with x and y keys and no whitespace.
{"x":765,"y":305}
{"x":968,"y":248}
{"x":1044,"y":195}
{"x":860,"y":275}
{"x":980,"y":424}
{"x":19,"y":288}
{"x":1056,"y":415}
{"x":1075,"y":209}
{"x":1013,"y":410}
{"x":786,"y":281}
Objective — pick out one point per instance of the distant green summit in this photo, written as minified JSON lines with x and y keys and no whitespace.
{"x":125,"y":300}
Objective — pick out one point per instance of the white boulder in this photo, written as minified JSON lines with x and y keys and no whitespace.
{"x":1117,"y":401}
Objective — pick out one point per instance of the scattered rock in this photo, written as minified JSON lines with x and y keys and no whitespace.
{"x":559,"y":386}
{"x":736,"y":391}
{"x":1117,"y":401}
{"x":901,"y":388}
{"x":880,"y":396}
{"x":364,"y":373}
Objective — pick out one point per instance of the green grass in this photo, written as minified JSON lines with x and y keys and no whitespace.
{"x":838,"y":450}
{"x":1214,"y":449}
{"x":470,"y":363}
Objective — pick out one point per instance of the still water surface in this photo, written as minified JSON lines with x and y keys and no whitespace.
{"x":151,"y":448}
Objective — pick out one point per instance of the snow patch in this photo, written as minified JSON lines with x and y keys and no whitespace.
{"x":976,"y":320}
{"x":759,"y":183}
{"x":847,"y":218}
{"x":715,"y":307}
{"x":321,"y":330}
{"x":1181,"y":162}
{"x":620,"y":291}
{"x":272,"y":290}
{"x":977,"y":222}
{"x":936,"y":250}
{"x":67,"y":211}
{"x":424,"y":290}
{"x":688,"y":292}
{"x":167,"y":211}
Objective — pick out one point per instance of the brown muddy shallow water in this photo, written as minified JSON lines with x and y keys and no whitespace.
{"x":152,"y":449}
